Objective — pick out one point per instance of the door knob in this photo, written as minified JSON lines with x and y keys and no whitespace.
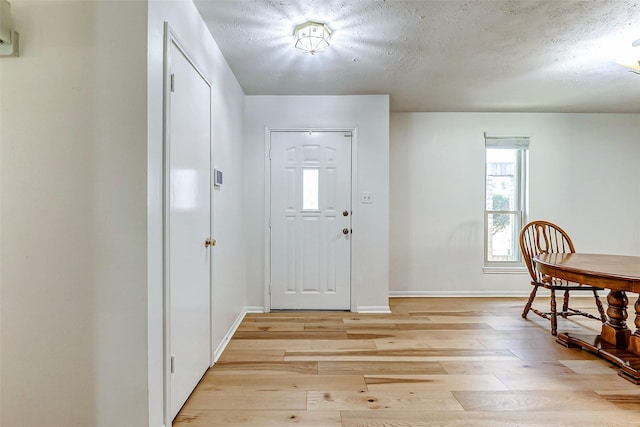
{"x":345,"y":231}
{"x":209,"y":242}
{"x":345,"y":213}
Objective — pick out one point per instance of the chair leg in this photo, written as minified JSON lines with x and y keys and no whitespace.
{"x":603,"y":316}
{"x":565,"y":304}
{"x":527,"y":307}
{"x":554,"y":313}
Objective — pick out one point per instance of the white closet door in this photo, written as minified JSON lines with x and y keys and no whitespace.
{"x":189,"y":226}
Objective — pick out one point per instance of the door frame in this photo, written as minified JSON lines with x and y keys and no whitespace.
{"x":170,"y":37}
{"x":267,"y":204}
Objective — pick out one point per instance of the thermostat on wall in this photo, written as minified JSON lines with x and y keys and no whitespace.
{"x":217,"y":177}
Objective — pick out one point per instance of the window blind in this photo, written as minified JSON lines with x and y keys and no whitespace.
{"x":506,"y":142}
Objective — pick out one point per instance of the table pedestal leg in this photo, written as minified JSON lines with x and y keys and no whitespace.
{"x":615,"y":343}
{"x":615,"y":330}
{"x":634,"y":340}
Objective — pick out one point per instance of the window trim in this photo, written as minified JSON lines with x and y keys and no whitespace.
{"x":521,"y":145}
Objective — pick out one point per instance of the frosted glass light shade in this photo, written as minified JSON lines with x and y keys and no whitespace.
{"x":630,"y":58}
{"x":312,"y":37}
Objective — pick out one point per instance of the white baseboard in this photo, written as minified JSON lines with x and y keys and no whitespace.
{"x":373,"y":309}
{"x":232,"y":330}
{"x":450,"y":294}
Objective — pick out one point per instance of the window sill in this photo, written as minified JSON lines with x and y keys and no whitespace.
{"x":505,"y":270}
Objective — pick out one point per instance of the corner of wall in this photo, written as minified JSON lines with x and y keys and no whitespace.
{"x":232,"y":330}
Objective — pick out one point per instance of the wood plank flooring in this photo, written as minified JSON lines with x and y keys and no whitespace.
{"x":432,"y":362}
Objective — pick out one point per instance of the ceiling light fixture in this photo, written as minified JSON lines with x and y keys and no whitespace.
{"x":631,"y":58}
{"x":312,"y":37}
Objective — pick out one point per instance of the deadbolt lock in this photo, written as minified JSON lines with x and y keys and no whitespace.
{"x":345,"y":231}
{"x":345,"y":213}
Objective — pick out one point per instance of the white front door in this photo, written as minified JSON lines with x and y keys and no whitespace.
{"x":189,"y":219}
{"x":310,"y":220}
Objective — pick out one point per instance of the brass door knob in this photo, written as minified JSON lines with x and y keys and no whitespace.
{"x":209,"y":242}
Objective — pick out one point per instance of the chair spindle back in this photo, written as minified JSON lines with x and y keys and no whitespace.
{"x":542,"y":237}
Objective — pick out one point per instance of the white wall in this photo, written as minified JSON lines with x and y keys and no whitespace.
{"x":81,"y":190}
{"x":229,"y":279}
{"x":370,"y":115}
{"x":583,"y":176}
{"x":74,"y":282}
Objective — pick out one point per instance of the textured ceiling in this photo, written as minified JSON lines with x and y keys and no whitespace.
{"x":453,"y":55}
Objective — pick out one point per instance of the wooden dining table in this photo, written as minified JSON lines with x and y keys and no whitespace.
{"x":619,"y":274}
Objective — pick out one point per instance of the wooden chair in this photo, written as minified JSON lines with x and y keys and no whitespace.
{"x":542,"y":237}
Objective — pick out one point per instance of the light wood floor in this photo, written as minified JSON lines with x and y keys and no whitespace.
{"x":432,"y":362}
